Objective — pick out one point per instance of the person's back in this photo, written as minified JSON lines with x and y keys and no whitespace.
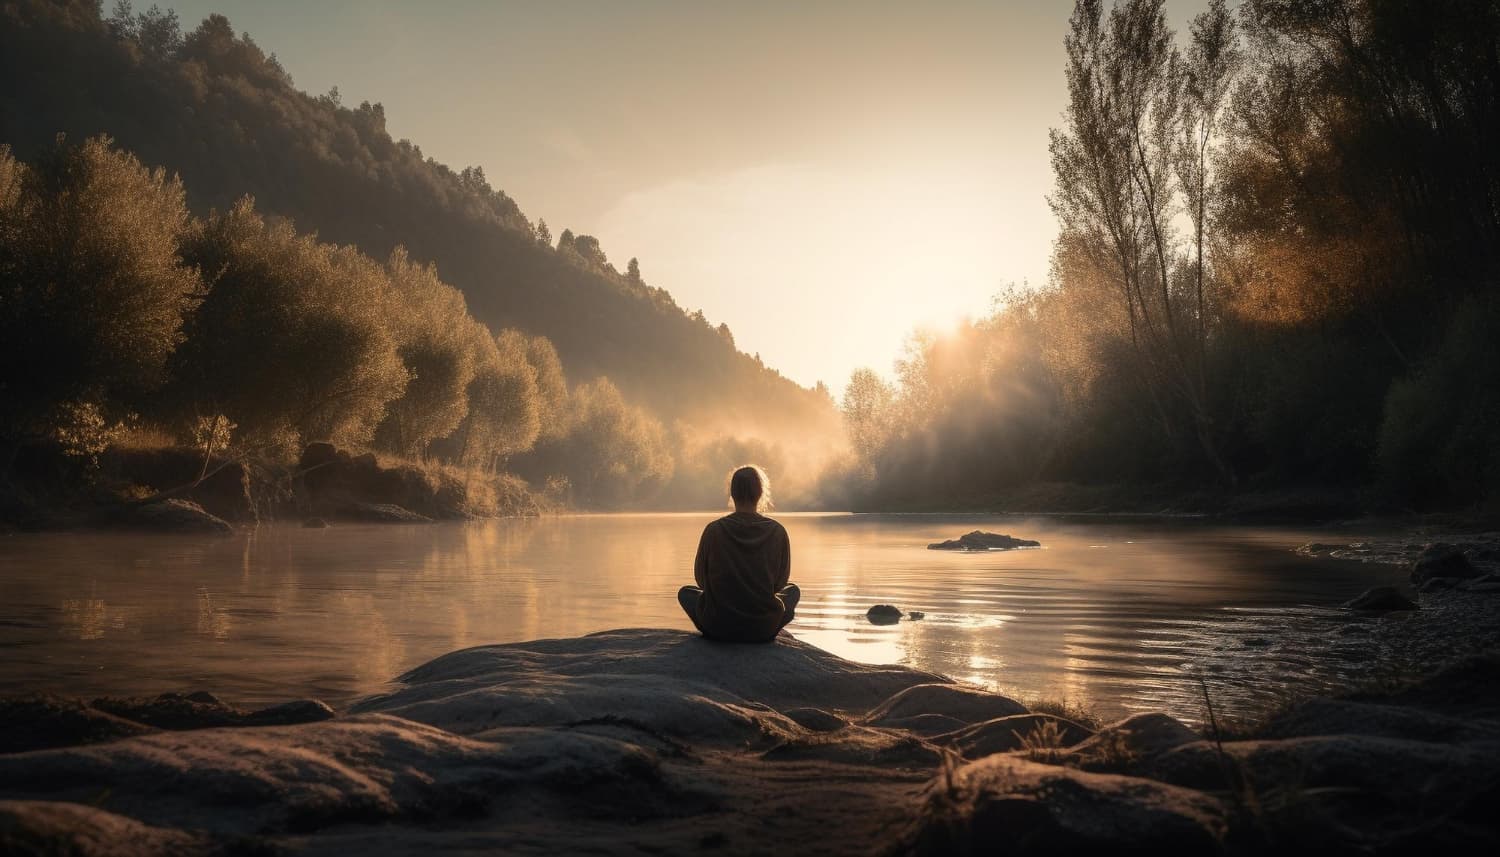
{"x":742,"y":569}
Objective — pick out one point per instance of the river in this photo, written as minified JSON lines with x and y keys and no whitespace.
{"x":1118,"y":615}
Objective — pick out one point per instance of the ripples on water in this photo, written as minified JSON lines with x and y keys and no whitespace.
{"x":1118,"y":615}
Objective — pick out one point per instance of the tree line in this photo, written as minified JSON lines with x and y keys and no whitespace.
{"x":1276,"y":269}
{"x":211,"y":105}
{"x":119,"y":309}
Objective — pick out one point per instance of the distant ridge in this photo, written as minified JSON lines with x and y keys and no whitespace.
{"x":215,"y":108}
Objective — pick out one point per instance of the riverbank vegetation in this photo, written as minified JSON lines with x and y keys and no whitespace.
{"x":124,"y":317}
{"x":197,"y":251}
{"x":1276,"y":272}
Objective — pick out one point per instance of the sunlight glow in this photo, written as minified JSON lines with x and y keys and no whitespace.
{"x":828,"y":269}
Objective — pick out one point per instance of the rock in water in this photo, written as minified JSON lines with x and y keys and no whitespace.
{"x":1441,"y":560}
{"x":181,"y":516}
{"x":386,"y":513}
{"x":314,"y":524}
{"x":981,"y":541}
{"x":883,"y":614}
{"x":1384,"y":598}
{"x":915,"y":615}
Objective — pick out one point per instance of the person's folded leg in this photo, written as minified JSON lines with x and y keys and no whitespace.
{"x":688,"y":597}
{"x":789,"y":596}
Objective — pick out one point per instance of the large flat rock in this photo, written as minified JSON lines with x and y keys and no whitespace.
{"x":673,"y":682}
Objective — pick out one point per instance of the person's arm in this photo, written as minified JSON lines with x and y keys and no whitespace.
{"x":700,"y":562}
{"x":784,"y":573}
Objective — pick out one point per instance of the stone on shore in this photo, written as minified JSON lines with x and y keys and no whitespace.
{"x":1013,"y":732}
{"x":178,"y":516}
{"x":1442,"y":560}
{"x":334,"y":483}
{"x":60,"y":828}
{"x":982,"y":541}
{"x":361,"y":769}
{"x":956,"y":702}
{"x":385,"y":513}
{"x":1120,"y":746}
{"x":1004,"y":804}
{"x":224,"y":490}
{"x":42,"y":722}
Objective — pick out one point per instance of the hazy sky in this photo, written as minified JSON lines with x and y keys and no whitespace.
{"x":823,"y":176}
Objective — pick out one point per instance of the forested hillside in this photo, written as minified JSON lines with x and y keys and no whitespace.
{"x":213,"y":107}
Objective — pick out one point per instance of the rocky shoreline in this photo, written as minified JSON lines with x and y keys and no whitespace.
{"x":172,"y":489}
{"x":652,"y":740}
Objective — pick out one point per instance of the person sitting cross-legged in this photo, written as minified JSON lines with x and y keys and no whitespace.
{"x":743,"y":569}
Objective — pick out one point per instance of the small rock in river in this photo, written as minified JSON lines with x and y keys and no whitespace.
{"x":979,"y":541}
{"x":915,"y":615}
{"x":883,"y":614}
{"x":1381,"y":598}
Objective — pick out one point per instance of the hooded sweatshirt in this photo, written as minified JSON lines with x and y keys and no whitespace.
{"x":743,"y":560}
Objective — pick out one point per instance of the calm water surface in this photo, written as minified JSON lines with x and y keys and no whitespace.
{"x":1120,"y":615}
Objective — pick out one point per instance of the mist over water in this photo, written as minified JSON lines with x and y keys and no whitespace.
{"x":1118,"y":615}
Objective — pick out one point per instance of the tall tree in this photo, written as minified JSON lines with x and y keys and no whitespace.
{"x":1213,"y":61}
{"x":292,"y":341}
{"x":1118,"y":165}
{"x":430,"y":324}
{"x":867,"y":412}
{"x":92,"y":289}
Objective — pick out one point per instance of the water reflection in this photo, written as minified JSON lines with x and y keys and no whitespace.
{"x":212,"y":621}
{"x":85,"y":617}
{"x":1124,"y":616}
